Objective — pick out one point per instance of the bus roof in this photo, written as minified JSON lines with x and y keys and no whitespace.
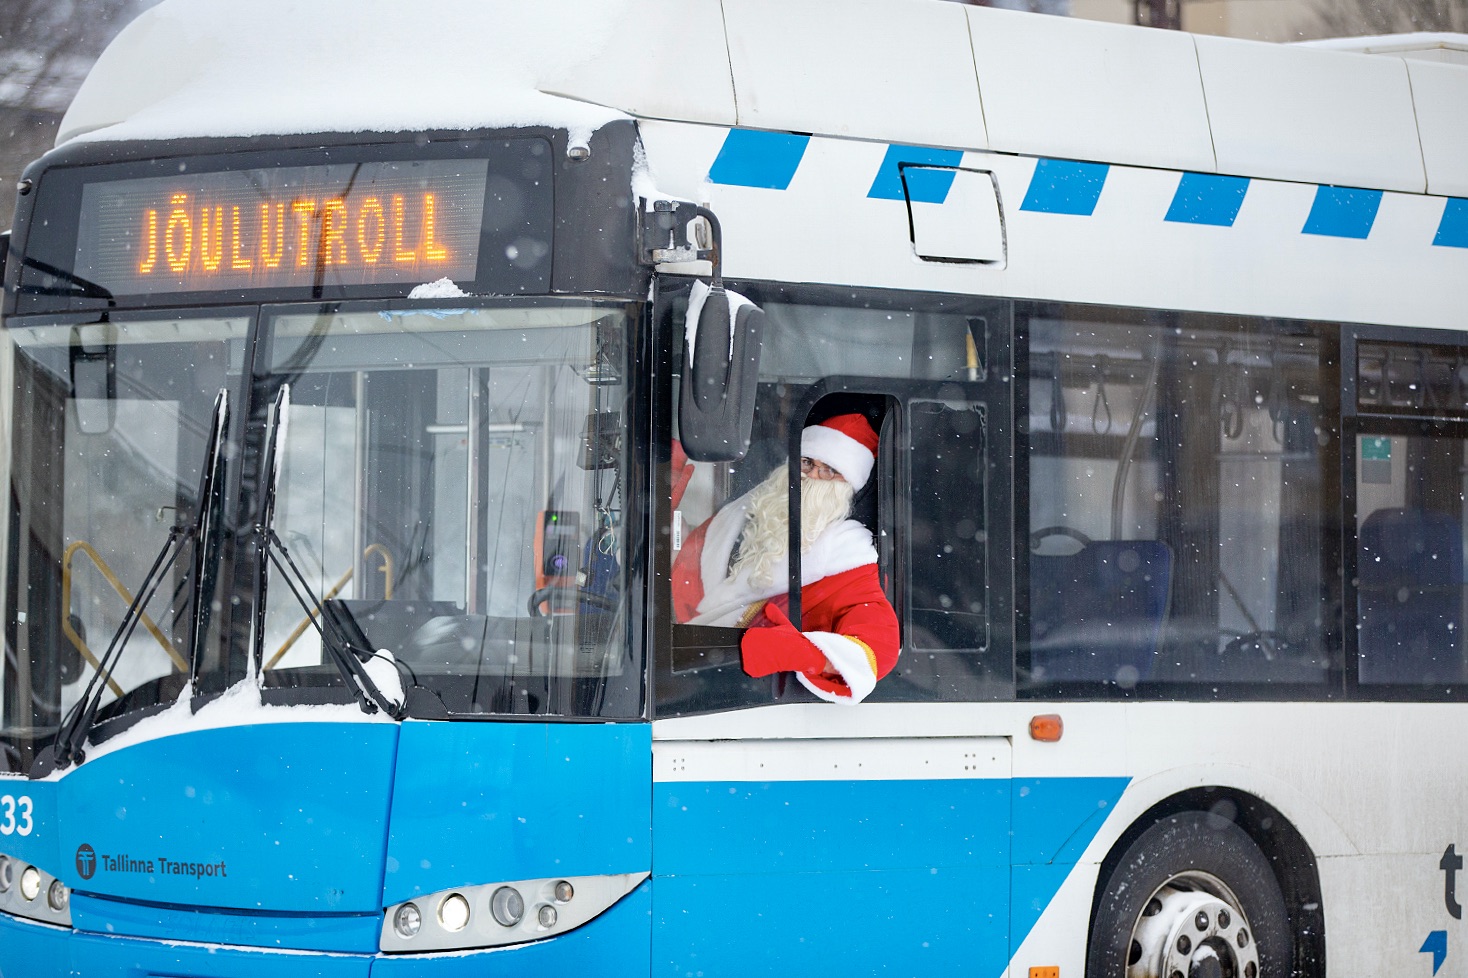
{"x":921,"y":72}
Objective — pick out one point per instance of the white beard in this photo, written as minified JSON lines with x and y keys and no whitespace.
{"x":766,"y":537}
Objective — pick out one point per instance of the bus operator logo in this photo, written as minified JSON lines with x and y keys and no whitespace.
{"x":86,"y":861}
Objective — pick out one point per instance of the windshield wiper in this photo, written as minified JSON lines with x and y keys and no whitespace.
{"x":349,"y":660}
{"x":71,"y":736}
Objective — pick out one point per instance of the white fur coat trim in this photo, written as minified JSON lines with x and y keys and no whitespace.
{"x":841,"y":547}
{"x":852,"y":660}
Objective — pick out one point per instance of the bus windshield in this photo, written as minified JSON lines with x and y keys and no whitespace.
{"x":450,"y":487}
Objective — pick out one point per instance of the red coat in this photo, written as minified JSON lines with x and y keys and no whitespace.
{"x":846,"y":618}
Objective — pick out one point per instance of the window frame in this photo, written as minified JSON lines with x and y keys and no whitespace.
{"x":1356,"y":422}
{"x":891,"y":476}
{"x":1333,"y":684}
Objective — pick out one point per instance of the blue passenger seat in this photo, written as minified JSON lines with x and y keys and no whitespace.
{"x":1410,"y":597}
{"x":1096,"y":615}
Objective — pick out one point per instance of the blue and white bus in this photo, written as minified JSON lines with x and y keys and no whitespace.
{"x":344,"y":361}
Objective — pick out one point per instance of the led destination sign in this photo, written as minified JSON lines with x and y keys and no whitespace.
{"x":339,"y":224}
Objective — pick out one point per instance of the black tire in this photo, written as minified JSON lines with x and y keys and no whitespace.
{"x":1186,"y":869}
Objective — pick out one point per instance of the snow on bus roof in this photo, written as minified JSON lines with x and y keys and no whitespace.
{"x":222,"y":68}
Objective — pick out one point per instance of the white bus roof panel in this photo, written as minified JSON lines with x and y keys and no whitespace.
{"x":894,"y":70}
{"x":1296,"y":113}
{"x":1440,"y":92}
{"x":694,"y":86}
{"x":1419,"y":46}
{"x":1084,"y":90}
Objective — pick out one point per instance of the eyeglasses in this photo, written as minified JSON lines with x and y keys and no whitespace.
{"x":817,"y":470}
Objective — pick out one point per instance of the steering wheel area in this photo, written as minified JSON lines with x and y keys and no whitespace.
{"x":562,"y":598}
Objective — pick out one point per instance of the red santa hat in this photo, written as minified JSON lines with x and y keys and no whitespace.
{"x":847,"y":443}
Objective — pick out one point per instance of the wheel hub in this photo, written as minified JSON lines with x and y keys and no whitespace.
{"x":1192,"y":927}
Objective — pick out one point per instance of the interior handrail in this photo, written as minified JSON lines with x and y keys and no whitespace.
{"x":122,"y":592}
{"x":386,"y":568}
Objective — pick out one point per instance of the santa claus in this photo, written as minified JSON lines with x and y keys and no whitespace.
{"x":734,"y":570}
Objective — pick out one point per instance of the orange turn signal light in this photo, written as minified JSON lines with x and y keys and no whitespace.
{"x":1046,"y":727}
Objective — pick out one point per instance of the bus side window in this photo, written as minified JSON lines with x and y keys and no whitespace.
{"x":1176,"y":530}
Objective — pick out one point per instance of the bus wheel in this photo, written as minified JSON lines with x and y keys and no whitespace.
{"x":1192,"y":897}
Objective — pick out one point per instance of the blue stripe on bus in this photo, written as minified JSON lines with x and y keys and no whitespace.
{"x":1452,"y":232}
{"x":1208,"y":198}
{"x":928,"y":186}
{"x":1056,"y":818}
{"x":1342,"y":212}
{"x":756,"y":158}
{"x":1065,"y":187}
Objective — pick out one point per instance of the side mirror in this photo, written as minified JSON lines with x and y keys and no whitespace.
{"x":716,"y":407}
{"x":93,"y":355}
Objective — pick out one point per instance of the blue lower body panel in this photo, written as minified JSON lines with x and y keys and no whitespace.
{"x":32,"y":950}
{"x":831,"y":877}
{"x":342,"y":933}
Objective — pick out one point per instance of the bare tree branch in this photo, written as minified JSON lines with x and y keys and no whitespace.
{"x":46,"y":49}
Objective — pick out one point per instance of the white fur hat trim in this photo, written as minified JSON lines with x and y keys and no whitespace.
{"x":841,"y":452}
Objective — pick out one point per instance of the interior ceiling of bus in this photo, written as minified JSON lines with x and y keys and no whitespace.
{"x":950,"y":75}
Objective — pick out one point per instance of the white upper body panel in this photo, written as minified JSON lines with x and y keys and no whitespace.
{"x":1292,"y":113}
{"x":1081,"y":90}
{"x":896,"y":70}
{"x":1440,"y":93}
{"x":920,"y":72}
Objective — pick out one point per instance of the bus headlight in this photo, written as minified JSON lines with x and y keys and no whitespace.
{"x":453,"y":913}
{"x":507,"y":906}
{"x":494,"y":914}
{"x":21,"y":887}
{"x":407,"y":920}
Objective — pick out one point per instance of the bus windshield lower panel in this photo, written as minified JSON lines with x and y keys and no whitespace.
{"x":450,"y":489}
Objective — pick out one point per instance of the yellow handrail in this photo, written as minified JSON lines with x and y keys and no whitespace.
{"x":122,"y":592}
{"x":387,"y":569}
